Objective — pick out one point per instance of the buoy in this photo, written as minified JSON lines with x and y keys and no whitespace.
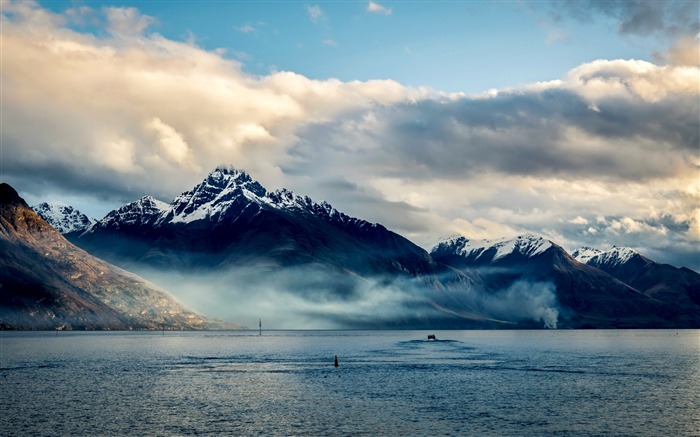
{"x":335,"y":362}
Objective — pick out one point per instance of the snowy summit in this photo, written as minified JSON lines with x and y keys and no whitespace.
{"x":527,"y":245}
{"x":64,"y":218}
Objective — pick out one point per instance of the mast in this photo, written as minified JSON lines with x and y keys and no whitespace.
{"x":260,"y":326}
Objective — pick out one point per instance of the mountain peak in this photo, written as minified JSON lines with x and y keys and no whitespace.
{"x":585,"y":253}
{"x":527,"y":245}
{"x":10,"y":197}
{"x":228,"y":173}
{"x":150,"y":202}
{"x":223,"y":177}
{"x":617,"y":255}
{"x":221,"y":188}
{"x":64,"y":218}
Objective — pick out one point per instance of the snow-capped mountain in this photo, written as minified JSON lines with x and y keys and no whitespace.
{"x":489,"y":251}
{"x":596,"y":296}
{"x":230,"y":228}
{"x":677,"y":286}
{"x":610,"y":258}
{"x":138,"y":213}
{"x":583,"y":254}
{"x":224,"y":193}
{"x":229,"y":217}
{"x":64,"y":218}
{"x":230,"y":235}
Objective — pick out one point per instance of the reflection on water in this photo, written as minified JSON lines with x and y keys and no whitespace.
{"x":387,"y":383}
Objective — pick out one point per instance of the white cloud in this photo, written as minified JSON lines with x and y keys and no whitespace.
{"x":315,"y":12}
{"x":126,"y":21}
{"x":578,"y":220}
{"x":246,"y":28}
{"x":376,"y":8}
{"x":603,"y":79}
{"x":171,"y":143}
{"x":128,"y":114}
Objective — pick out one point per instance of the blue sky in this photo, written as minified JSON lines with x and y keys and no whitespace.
{"x":578,"y":120}
{"x":454,"y":46}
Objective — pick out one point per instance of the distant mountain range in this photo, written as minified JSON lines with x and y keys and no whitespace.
{"x":232,"y":247}
{"x":232,"y":241}
{"x":48,"y":283}
{"x":606,"y":291}
{"x":678,"y":286}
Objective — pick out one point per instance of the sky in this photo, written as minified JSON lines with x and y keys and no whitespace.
{"x":575,"y":120}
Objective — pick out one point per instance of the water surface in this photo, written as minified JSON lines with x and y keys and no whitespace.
{"x":388,"y":383}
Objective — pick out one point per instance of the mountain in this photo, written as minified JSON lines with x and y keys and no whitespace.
{"x":587,"y":295}
{"x":231,"y":219}
{"x":676,"y":286}
{"x":229,"y":229}
{"x":63,"y":218}
{"x":230,"y":247}
{"x":485,"y":252}
{"x":48,"y":283}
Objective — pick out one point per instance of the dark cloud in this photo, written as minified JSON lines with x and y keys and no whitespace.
{"x":524,"y":133}
{"x":636,"y":17}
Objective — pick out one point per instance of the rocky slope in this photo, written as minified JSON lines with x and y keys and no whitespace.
{"x":48,"y":283}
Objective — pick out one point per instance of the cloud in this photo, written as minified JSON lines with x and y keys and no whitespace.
{"x":684,"y":51}
{"x":171,"y":143}
{"x":315,"y":12}
{"x":637,"y":17}
{"x":578,"y":220}
{"x":523,"y":301}
{"x":127,"y":113}
{"x":303,"y":297}
{"x":246,"y":28}
{"x":645,"y":127}
{"x":330,"y":42}
{"x":126,"y":21}
{"x":376,"y":8}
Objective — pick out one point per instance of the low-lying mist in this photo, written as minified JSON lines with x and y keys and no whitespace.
{"x":523,"y":300}
{"x":292,"y":298}
{"x":316,"y":297}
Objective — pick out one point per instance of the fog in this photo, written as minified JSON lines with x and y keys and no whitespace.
{"x":524,"y":300}
{"x":306,"y":297}
{"x":316,"y":297}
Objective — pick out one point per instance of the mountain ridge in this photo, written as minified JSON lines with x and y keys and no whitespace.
{"x":230,"y":228}
{"x":597,"y":297}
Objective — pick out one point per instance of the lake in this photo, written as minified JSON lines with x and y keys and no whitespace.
{"x":626,"y":383}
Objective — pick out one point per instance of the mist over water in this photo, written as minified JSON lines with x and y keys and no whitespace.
{"x":524,"y":300}
{"x":304,"y":297}
{"x":314,"y":297}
